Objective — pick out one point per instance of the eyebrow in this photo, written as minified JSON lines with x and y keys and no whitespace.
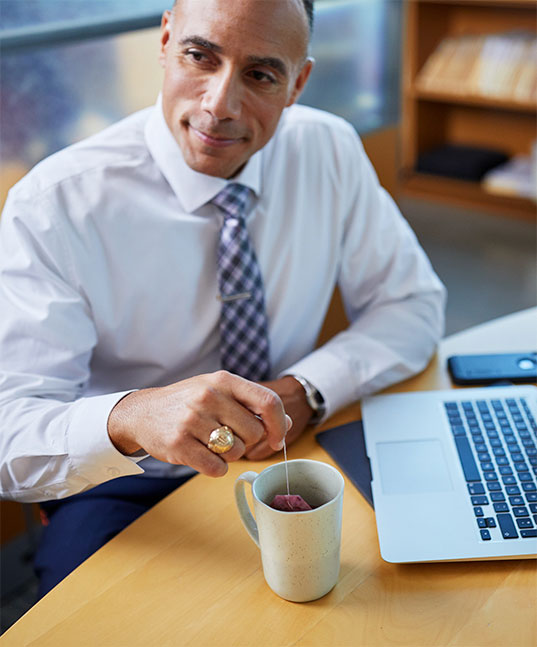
{"x":268,"y":61}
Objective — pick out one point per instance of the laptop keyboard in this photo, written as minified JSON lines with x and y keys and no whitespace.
{"x":496,"y":442}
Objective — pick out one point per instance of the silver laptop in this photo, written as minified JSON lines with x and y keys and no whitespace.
{"x":454,"y":473}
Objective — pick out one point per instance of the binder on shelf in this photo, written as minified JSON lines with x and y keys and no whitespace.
{"x":497,"y":66}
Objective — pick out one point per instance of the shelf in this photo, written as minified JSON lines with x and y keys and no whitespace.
{"x":474,"y":100}
{"x":464,"y":194}
{"x":432,"y":119}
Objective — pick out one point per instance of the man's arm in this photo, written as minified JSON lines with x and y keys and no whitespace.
{"x":54,"y":441}
{"x":393,"y":299}
{"x":392,"y":296}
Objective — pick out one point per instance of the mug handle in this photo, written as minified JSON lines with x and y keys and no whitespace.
{"x":242,"y":504}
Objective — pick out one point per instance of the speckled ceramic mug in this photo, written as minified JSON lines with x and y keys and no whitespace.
{"x":299,"y":550}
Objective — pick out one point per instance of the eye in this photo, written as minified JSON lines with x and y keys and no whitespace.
{"x":262,"y":77}
{"x":196,"y":55}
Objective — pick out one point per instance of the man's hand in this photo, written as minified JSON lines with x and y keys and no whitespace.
{"x":173,"y":423}
{"x":294,"y":400}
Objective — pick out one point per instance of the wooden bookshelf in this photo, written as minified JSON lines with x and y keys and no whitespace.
{"x":434,"y":118}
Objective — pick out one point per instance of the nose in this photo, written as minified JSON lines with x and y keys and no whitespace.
{"x":223,"y":95}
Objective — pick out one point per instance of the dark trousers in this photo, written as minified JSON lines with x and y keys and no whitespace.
{"x":80,"y":524}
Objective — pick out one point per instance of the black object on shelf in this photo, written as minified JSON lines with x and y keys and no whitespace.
{"x":460,"y":162}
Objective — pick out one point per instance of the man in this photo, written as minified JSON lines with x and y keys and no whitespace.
{"x":116,"y":313}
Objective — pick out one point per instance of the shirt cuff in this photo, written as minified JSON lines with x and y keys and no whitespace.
{"x":91,"y":451}
{"x":330,"y":375}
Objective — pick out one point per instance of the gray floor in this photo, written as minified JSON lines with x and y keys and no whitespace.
{"x":488,"y":264}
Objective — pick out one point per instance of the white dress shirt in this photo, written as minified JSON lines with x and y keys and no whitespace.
{"x":108,"y":284}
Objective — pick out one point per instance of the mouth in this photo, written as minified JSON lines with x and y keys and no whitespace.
{"x":215,"y":141}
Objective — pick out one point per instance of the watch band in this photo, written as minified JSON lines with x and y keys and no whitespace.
{"x":313,"y":398}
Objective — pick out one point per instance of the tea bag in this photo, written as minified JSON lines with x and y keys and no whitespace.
{"x":289,"y":502}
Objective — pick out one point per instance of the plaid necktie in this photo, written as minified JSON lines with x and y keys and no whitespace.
{"x":244,"y":345}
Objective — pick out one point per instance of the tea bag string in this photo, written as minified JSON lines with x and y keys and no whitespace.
{"x":286,"y":468}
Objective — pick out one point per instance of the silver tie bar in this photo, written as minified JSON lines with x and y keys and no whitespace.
{"x":234,"y":297}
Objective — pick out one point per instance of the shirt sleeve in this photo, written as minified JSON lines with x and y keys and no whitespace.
{"x":53,"y":440}
{"x":393,"y":299}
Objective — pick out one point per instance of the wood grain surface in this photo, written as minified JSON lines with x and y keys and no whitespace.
{"x":187,"y":573}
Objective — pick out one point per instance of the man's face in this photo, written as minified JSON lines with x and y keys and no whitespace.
{"x":230,"y":68}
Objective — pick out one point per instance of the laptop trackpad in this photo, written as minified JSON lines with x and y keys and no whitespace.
{"x":412,"y":467}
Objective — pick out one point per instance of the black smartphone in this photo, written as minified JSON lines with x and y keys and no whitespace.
{"x":486,"y":369}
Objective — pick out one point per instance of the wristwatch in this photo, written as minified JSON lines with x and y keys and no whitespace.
{"x":313,"y":398}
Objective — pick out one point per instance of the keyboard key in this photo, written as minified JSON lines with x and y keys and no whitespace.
{"x":487,"y":467}
{"x":513,"y":489}
{"x":525,"y":476}
{"x":501,"y":507}
{"x":517,"y":458}
{"x":507,"y":526}
{"x":521,"y":511}
{"x":471,"y":473}
{"x":509,"y":480}
{"x":516,"y":500}
{"x":502,"y":460}
{"x":458,"y":430}
{"x":484,"y":457}
{"x":480,"y":447}
{"x":481,"y":522}
{"x":498,"y":496}
{"x":491,"y":522}
{"x":481,"y":500}
{"x":505,"y":470}
{"x":529,"y":533}
{"x":494,"y":486}
{"x":533,"y":508}
{"x":529,"y":487}
{"x":495,"y":442}
{"x":485,"y":534}
{"x":476,"y":488}
{"x":478,"y":511}
{"x":521,"y":467}
{"x":498,"y":451}
{"x":531,"y":496}
{"x":524,"y":523}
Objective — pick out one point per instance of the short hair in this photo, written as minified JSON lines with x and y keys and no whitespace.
{"x":308,"y":7}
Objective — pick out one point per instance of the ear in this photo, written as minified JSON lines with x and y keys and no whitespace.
{"x":165,"y":35}
{"x":301,"y":81}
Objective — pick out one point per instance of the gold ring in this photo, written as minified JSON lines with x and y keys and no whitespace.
{"x":221,"y":440}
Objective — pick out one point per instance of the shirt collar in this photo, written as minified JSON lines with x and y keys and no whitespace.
{"x":192,"y":189}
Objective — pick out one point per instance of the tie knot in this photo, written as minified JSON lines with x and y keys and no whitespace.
{"x":233,"y":199}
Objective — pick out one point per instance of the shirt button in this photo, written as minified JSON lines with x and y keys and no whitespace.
{"x":113,"y":471}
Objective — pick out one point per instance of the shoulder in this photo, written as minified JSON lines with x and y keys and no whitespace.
{"x":312,"y":121}
{"x":121,"y":144}
{"x":308,"y":133}
{"x":317,"y":142}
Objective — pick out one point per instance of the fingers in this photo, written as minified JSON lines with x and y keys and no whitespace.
{"x":264,"y":403}
{"x":173,"y":423}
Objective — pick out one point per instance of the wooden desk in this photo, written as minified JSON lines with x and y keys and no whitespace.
{"x":186,"y":573}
